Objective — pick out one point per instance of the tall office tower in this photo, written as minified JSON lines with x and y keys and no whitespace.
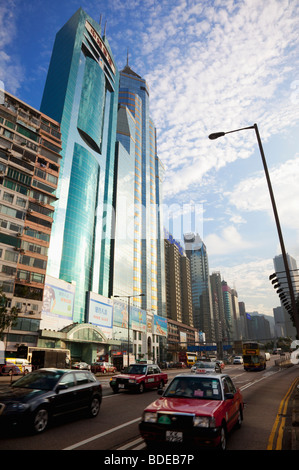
{"x":81,"y":92}
{"x":243,"y":321}
{"x":259,"y":328}
{"x":148,"y":257}
{"x":218,"y":307}
{"x":280,"y":327}
{"x":178,"y":283}
{"x":282,"y":279}
{"x":30,"y":143}
{"x":236,"y":315}
{"x":228,"y":309}
{"x":203,"y":316}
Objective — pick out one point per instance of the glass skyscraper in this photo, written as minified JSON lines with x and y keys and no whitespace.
{"x":81,"y":93}
{"x":201,"y":289}
{"x":142,"y":170}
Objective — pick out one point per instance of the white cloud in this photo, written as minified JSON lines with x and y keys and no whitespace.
{"x":252,"y":194}
{"x":11,"y":72}
{"x":229,"y":241}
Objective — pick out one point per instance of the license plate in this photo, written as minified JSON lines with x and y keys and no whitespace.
{"x":174,"y":436}
{"x":121,"y":386}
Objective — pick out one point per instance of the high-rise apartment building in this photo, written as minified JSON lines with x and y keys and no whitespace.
{"x":81,"y":92}
{"x":203,"y":316}
{"x":137,"y":136}
{"x":178,"y":283}
{"x":30,"y":143}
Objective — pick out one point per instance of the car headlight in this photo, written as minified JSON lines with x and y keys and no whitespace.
{"x":17,"y":406}
{"x":149,"y":417}
{"x":203,"y":422}
{"x":132,"y":381}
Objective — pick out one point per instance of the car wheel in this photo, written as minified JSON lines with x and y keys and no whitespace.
{"x":115,"y":389}
{"x":94,"y":407}
{"x":40,"y":420}
{"x":161,"y":385}
{"x":223,"y":435}
{"x":141,"y":387}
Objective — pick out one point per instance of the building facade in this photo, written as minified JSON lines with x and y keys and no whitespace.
{"x":81,"y":92}
{"x":30,"y":145}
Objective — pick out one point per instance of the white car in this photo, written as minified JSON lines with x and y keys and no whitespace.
{"x":238,"y":360}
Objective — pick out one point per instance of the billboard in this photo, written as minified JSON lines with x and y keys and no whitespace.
{"x":100,"y":312}
{"x":160,"y":326}
{"x":58,"y":304}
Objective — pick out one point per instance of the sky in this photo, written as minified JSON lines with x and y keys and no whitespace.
{"x":217,"y":65}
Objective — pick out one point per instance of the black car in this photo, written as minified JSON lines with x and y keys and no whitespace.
{"x":45,"y":393}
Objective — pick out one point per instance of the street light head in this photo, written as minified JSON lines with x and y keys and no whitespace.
{"x":216,"y":135}
{"x":272,"y":276}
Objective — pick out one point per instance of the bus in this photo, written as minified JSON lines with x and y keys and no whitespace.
{"x":254,"y":357}
{"x":189,"y":358}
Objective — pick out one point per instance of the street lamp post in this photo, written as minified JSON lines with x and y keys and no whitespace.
{"x":129,"y":311}
{"x":283,"y":251}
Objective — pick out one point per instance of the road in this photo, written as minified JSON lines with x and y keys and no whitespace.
{"x":116,"y":427}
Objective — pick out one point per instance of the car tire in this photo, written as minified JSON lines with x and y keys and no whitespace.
{"x":141,"y":387}
{"x":115,"y":389}
{"x":223,"y":438}
{"x":94,"y":407}
{"x":240,"y":419}
{"x":40,"y":420}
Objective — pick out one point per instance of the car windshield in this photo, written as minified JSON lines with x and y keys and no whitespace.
{"x":136,"y":369}
{"x":40,"y":380}
{"x":205,"y":365}
{"x":194,"y":387}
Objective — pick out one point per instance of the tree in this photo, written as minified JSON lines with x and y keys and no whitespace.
{"x":8,"y":316}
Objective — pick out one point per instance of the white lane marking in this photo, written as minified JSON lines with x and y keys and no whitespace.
{"x":97,"y":436}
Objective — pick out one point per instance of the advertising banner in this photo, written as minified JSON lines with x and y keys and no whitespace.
{"x":58,"y":304}
{"x":100,"y":313}
{"x":160,"y":326}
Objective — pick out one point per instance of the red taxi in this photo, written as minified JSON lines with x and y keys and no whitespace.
{"x":194,"y":411}
{"x":139,"y":377}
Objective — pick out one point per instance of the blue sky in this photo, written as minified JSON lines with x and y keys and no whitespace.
{"x":210,"y":66}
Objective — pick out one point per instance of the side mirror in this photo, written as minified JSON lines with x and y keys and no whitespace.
{"x":229,"y":396}
{"x":61,"y":387}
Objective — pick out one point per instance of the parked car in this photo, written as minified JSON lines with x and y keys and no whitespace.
{"x":238,"y":360}
{"x":103,"y":367}
{"x":194,"y":411}
{"x":205,"y":367}
{"x":80,"y":366}
{"x":139,"y":377}
{"x":10,"y":369}
{"x":45,"y":393}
